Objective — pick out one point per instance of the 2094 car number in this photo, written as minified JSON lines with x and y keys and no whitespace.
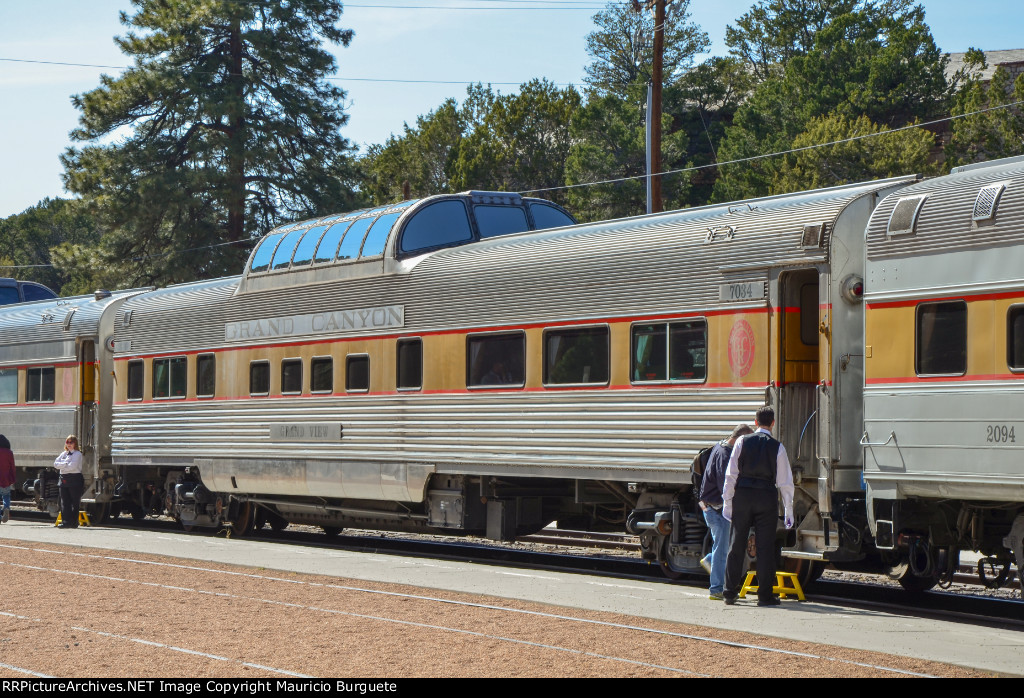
{"x":1000,"y":434}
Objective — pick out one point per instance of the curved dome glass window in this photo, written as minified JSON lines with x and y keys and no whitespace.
{"x":353,"y":240}
{"x":443,"y":223}
{"x":500,"y":220}
{"x":546,"y":216}
{"x":265,"y":252}
{"x":283,"y":254}
{"x":377,"y":237}
{"x":328,"y":246}
{"x":307,"y":245}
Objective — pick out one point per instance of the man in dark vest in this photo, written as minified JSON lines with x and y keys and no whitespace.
{"x":758,"y":472}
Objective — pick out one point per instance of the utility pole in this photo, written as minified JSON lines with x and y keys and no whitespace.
{"x":654,"y":202}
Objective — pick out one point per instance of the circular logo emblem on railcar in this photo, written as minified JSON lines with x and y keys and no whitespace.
{"x":741,"y":348}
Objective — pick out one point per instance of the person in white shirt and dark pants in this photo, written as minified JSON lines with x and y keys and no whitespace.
{"x":72,"y":483}
{"x":757,"y":474}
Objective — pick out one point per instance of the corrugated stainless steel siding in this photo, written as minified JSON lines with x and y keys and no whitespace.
{"x":35,"y":331}
{"x":945,"y":220}
{"x":546,"y":434}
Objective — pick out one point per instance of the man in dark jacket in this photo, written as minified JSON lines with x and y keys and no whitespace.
{"x":710,"y":500}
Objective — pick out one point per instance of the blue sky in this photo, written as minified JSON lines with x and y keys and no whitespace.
{"x":393,"y":41}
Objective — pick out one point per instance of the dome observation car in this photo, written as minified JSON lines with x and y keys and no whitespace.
{"x":402,"y":230}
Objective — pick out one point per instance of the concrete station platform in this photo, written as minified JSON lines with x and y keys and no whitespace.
{"x":958,"y":643}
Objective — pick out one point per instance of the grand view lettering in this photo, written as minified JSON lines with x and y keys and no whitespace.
{"x":316,"y":323}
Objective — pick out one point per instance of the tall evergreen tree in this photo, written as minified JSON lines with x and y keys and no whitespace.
{"x":622,"y":47}
{"x":878,"y":60}
{"x":229,"y":127}
{"x":992,"y":134}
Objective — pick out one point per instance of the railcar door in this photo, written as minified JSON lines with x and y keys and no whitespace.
{"x":799,"y":370}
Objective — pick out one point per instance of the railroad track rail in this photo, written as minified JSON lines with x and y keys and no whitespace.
{"x":565,"y":550}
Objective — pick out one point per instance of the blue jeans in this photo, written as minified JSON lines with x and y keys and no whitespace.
{"x":719,"y":548}
{"x":5,"y":494}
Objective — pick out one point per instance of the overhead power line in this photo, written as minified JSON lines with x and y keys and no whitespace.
{"x":334,"y":78}
{"x":777,"y":153}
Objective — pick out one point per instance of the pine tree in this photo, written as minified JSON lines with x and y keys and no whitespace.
{"x":224,"y":126}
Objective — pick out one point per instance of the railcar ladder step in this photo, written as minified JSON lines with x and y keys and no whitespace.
{"x":780,"y":587}
{"x":83,"y":519}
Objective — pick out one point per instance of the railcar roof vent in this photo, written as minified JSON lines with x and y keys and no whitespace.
{"x":903,"y":220}
{"x":987,"y":201}
{"x":814,"y":235}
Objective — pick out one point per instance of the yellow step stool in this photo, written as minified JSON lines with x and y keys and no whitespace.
{"x":83,"y":519}
{"x":780,"y":587}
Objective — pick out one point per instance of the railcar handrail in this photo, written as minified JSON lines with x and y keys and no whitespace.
{"x":864,"y":440}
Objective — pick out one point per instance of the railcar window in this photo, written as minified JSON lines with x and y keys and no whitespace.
{"x":688,"y":350}
{"x":291,"y":376}
{"x":321,"y":377}
{"x":809,"y":314}
{"x":357,"y":373}
{"x":206,"y":375}
{"x":410,"y":364}
{"x":169,"y":377}
{"x":36,"y":292}
{"x":265,"y":252}
{"x":650,"y":353}
{"x":8,"y":386}
{"x":496,"y":360}
{"x":259,"y":378}
{"x":284,"y":251}
{"x":547,"y":216}
{"x":500,"y":220}
{"x":353,"y":240}
{"x":377,"y":237}
{"x":942,"y":339}
{"x":437,"y":225}
{"x":576,"y":356}
{"x":1015,"y":338}
{"x":307,"y":246}
{"x":41,"y":384}
{"x":670,"y":351}
{"x":136,"y":379}
{"x":328,"y":245}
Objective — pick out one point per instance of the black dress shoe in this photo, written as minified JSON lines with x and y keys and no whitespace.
{"x":773,"y":601}
{"x":730,"y":600}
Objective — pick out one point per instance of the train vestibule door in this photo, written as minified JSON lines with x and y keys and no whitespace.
{"x":800,"y":367}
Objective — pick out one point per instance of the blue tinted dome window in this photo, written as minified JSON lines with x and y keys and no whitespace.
{"x":307,"y":245}
{"x":283,"y":254}
{"x":37,"y":292}
{"x":500,"y":220}
{"x":329,"y":242}
{"x":377,"y":238}
{"x":265,"y":251}
{"x":547,"y":216}
{"x":353,"y":241}
{"x":443,"y":223}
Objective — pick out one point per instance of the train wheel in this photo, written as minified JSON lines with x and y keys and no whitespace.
{"x":900,"y":572}
{"x":665,"y":569}
{"x":331,"y":531}
{"x":807,"y":571}
{"x":244,"y":521}
{"x":915,"y":584}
